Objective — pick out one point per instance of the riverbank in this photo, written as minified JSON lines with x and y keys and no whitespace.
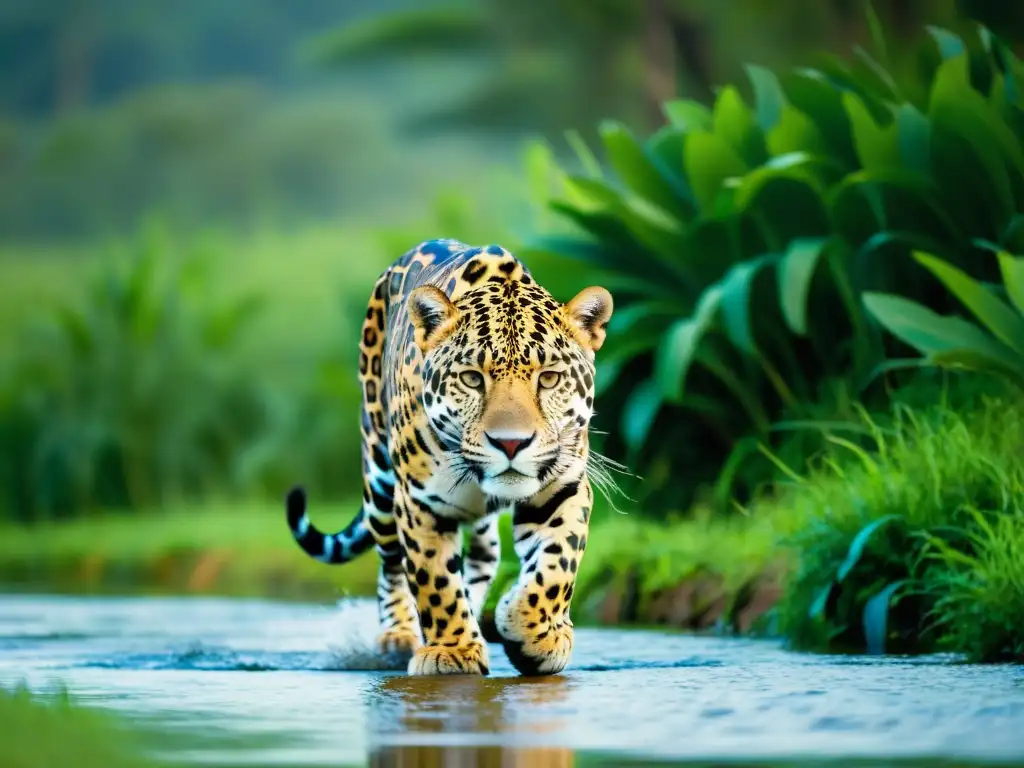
{"x":694,"y":573}
{"x":226,"y":549}
{"x":907,"y":541}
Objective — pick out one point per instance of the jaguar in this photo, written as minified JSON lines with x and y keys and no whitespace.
{"x":477,"y":396}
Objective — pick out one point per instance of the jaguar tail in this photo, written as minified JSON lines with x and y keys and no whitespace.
{"x":331,"y":548}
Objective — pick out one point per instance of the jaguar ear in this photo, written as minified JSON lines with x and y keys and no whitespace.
{"x":589,"y":312}
{"x":433,"y":315}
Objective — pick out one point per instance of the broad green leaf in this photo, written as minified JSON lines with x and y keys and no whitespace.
{"x":649,"y":225}
{"x":678,"y":349}
{"x":688,"y":115}
{"x":795,"y":132}
{"x":1012,"y":268}
{"x":913,"y":137}
{"x":811,"y":93}
{"x":977,"y":361}
{"x":857,"y":546}
{"x":642,"y":175}
{"x":795,"y":273}
{"x":666,"y":150}
{"x":639,"y":412}
{"x":604,"y":226}
{"x":709,"y":160}
{"x":875,"y":75}
{"x":734,"y":122}
{"x":955,"y":103}
{"x":1005,"y":324}
{"x":736,"y":299}
{"x":769,"y":99}
{"x":876,"y":618}
{"x":934,"y":334}
{"x":877,"y":146}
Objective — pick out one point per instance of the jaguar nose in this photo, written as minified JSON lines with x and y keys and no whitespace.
{"x":510,"y":445}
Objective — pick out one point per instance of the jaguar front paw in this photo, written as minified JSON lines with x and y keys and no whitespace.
{"x":467,"y":659}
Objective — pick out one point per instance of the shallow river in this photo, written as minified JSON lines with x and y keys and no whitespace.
{"x":264,"y":683}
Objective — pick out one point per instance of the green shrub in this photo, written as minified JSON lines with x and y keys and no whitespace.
{"x":127,"y":394}
{"x":739,"y":239}
{"x":915,"y":546}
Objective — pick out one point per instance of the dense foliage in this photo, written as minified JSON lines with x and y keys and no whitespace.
{"x":916,"y":546}
{"x":739,"y":240}
{"x":952,"y":341}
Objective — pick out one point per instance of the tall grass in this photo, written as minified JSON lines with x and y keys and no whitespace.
{"x":165,"y":369}
{"x":914,"y":546}
{"x":42,"y":731}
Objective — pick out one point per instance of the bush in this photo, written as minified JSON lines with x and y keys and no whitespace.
{"x":739,"y":240}
{"x":916,"y":546}
{"x":128,"y":394}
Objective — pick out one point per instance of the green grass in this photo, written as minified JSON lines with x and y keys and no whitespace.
{"x":915,"y":546}
{"x":223,"y":549}
{"x":44,"y":731}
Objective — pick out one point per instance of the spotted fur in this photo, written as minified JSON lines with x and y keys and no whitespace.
{"x":478,"y":389}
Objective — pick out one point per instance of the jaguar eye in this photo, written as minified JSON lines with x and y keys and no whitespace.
{"x":472,"y":379}
{"x":549,"y":379}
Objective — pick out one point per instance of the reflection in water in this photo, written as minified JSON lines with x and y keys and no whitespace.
{"x":430,"y":722}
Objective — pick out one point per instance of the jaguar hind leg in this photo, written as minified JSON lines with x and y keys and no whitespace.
{"x":399,"y":627}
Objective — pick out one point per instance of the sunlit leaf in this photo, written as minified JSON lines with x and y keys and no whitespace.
{"x":1005,"y":323}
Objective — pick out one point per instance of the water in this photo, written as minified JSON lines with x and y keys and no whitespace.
{"x":264,"y":683}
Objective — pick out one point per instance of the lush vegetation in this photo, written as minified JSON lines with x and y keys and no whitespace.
{"x":916,"y":546}
{"x":741,"y":238}
{"x":142,"y":383}
{"x":800,"y":264}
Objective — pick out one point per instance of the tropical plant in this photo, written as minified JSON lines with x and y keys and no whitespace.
{"x":739,"y":238}
{"x":952,"y":341}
